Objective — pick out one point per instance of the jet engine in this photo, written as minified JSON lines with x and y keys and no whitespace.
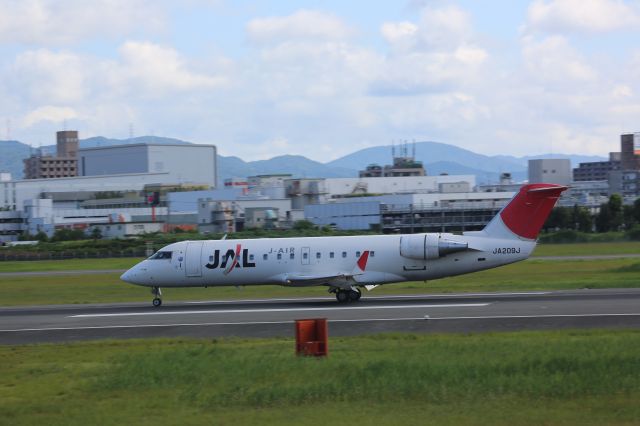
{"x":428,"y":246}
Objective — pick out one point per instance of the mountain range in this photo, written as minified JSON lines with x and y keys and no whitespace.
{"x":437,"y":158}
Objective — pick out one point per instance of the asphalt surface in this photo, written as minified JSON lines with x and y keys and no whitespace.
{"x":611,"y":308}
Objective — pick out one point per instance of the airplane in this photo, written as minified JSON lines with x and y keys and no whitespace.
{"x":346,"y":264}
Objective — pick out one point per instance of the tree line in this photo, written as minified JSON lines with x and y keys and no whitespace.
{"x":613,"y":216}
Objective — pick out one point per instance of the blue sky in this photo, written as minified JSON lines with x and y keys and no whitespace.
{"x":325,"y":78}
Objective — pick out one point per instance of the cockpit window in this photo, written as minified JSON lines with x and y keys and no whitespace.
{"x":161,"y":255}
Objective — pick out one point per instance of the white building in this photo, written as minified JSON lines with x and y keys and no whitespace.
{"x":550,"y":170}
{"x":392,"y":185}
{"x":182,"y":163}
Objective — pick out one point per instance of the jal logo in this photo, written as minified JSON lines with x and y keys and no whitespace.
{"x":230,"y":260}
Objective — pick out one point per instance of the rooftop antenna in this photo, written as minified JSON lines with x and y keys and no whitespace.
{"x":64,"y":125}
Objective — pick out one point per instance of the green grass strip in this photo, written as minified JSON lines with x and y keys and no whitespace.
{"x":524,"y":276}
{"x":563,"y":377}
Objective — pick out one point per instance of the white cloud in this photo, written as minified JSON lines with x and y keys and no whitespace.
{"x":153,"y":70}
{"x":303,"y":24}
{"x":402,"y":35}
{"x":447,"y":26}
{"x":438,"y":54}
{"x":51,"y":22}
{"x":592,"y":16}
{"x":309,"y":86}
{"x":49,"y":77}
{"x":49,"y":113}
{"x":554,"y":60}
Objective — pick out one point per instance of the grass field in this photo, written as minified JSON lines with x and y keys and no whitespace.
{"x":528,"y":275}
{"x":565,"y":377}
{"x":587,"y":249}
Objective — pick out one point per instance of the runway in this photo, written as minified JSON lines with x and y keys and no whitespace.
{"x":426,"y":313}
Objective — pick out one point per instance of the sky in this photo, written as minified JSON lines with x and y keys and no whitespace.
{"x":324,"y":78}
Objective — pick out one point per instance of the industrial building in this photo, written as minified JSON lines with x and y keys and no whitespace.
{"x":630,"y":151}
{"x":130,"y":189}
{"x":619,"y":174}
{"x":129,"y":180}
{"x":550,"y":170}
{"x":403,"y":165}
{"x":597,"y":170}
{"x":64,"y":164}
{"x":182,"y":163}
{"x":218,"y":216}
{"x":349,"y":187}
{"x":407,"y":213}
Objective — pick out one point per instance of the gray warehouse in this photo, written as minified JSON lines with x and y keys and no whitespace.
{"x":550,"y":170}
{"x":185,"y":163}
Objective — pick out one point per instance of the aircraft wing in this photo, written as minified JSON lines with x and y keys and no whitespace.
{"x":304,"y":280}
{"x":337,"y":279}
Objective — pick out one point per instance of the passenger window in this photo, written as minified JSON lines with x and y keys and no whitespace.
{"x":210,"y":259}
{"x":318,"y":255}
{"x":357,"y":254}
{"x":331,"y":255}
{"x":265,"y":256}
{"x":344,"y":254}
{"x":292,"y":256}
{"x":279,"y":256}
{"x":250,"y":257}
{"x":372,"y":254}
{"x":305,"y":255}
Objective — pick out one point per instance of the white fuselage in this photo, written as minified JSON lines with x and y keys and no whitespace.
{"x":275,"y":261}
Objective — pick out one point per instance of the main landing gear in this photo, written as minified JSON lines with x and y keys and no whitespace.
{"x":344,"y":296}
{"x":157,"y":300}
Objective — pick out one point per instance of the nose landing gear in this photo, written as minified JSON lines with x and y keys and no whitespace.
{"x":157,"y":301}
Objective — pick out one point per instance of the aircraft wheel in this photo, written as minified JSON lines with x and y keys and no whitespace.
{"x":342,"y":296}
{"x":157,"y":302}
{"x":354,"y":295}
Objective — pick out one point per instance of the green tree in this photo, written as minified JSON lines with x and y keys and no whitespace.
{"x":303,"y":225}
{"x":96,"y":233}
{"x":559,"y":218}
{"x":582,"y":219}
{"x":615,"y":209}
{"x":636,"y":210}
{"x":42,"y":237}
{"x":66,"y":234}
{"x":628,"y":217}
{"x":603,"y":219}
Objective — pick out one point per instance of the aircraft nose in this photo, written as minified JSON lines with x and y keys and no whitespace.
{"x":128,"y":276}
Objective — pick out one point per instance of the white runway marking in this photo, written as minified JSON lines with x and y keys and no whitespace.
{"x":532,"y":316}
{"x":386,"y":297}
{"x":240,"y":311}
{"x":98,"y":327}
{"x":292,"y":321}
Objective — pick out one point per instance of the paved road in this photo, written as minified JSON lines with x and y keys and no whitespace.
{"x":275,"y":317}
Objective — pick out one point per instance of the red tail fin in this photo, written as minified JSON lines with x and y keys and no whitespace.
{"x":528,"y":210}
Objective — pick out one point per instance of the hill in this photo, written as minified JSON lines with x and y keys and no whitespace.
{"x":444,"y":158}
{"x":437,"y":157}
